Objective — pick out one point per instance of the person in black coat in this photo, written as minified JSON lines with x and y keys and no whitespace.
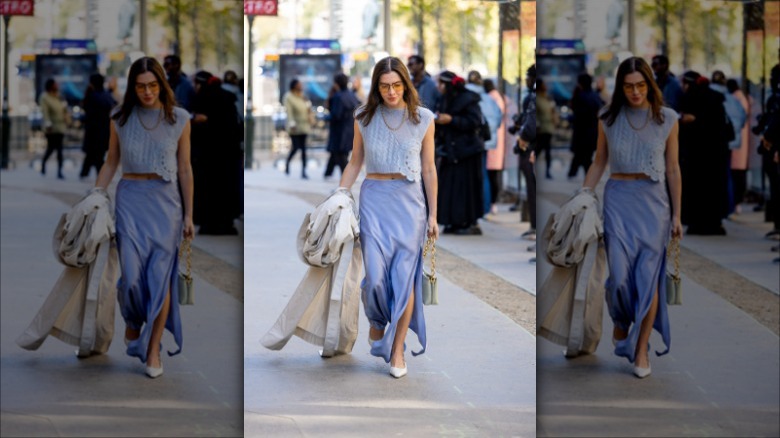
{"x":217,"y":133}
{"x":342,"y":107}
{"x":459,"y":150}
{"x":704,"y":155}
{"x":97,"y":108}
{"x":585,"y":105}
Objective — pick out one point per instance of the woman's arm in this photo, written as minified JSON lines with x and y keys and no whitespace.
{"x":599,"y":162}
{"x":186,"y":180}
{"x":108,"y":170}
{"x":430,"y":180}
{"x":674,"y":179}
{"x":355,"y":162}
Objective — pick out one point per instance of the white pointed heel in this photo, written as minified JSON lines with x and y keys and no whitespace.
{"x":398,"y":372}
{"x":642,"y":372}
{"x":154,"y":372}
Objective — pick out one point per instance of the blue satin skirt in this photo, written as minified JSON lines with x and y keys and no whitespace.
{"x":149,"y":220}
{"x":393,"y":225}
{"x":637,"y":226}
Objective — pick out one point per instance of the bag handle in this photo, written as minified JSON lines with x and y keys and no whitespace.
{"x":673,"y":250}
{"x":430,"y":246}
{"x":187,"y":243}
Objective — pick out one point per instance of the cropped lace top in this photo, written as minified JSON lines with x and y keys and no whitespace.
{"x":392,"y":142}
{"x":149,"y":144}
{"x":637,"y":144}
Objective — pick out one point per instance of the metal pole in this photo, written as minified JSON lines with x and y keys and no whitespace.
{"x":388,"y":28}
{"x":142,"y":25}
{"x":249,"y":127}
{"x":745,"y":12}
{"x":632,"y":26}
{"x":500,"y":67}
{"x":6,"y":122}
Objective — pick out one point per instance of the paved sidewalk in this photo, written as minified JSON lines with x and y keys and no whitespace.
{"x":477,"y":378}
{"x":50,"y":392}
{"x":719,"y":379}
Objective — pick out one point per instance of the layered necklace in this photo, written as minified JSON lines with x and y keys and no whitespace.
{"x":647,"y":119}
{"x":159,"y":119}
{"x":403,"y":118}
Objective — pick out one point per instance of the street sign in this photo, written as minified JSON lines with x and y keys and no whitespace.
{"x":308,"y":44}
{"x":17,"y":7}
{"x":260,"y":7}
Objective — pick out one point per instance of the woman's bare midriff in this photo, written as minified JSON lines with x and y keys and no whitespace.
{"x":385,"y":176}
{"x":629,"y":176}
{"x":141,"y":176}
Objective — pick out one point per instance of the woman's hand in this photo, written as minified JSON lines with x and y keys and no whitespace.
{"x":433,"y":228}
{"x":444,"y":119}
{"x":677,"y":229}
{"x":189,"y":228}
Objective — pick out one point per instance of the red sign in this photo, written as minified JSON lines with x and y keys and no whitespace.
{"x":17,"y":7}
{"x":260,"y":7}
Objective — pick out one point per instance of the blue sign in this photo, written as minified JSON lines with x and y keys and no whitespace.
{"x":62,"y":44}
{"x":308,"y":44}
{"x":577,"y":44}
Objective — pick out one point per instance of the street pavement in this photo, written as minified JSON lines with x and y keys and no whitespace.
{"x":721,"y":377}
{"x":50,"y":392}
{"x":477,"y":378}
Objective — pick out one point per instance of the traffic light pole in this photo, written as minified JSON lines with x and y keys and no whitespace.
{"x":6,"y":122}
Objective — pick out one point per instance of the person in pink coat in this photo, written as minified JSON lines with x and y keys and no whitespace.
{"x":495,"y":157}
{"x":739,"y":157}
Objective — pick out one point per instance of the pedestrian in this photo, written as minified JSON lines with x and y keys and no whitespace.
{"x":546,"y":114}
{"x":394,"y":136}
{"x":585,"y":105}
{"x":667,"y":81}
{"x":216,"y":153}
{"x":342,"y":106}
{"x":769,"y":130}
{"x":637,"y":137}
{"x":493,"y":115}
{"x":55,"y":113}
{"x":736,"y":116}
{"x":525,"y":149}
{"x":425,"y":86}
{"x":459,"y":149}
{"x":495,"y":156}
{"x":151,"y":139}
{"x":183,"y":89}
{"x":97,"y":106}
{"x":739,"y":155}
{"x":231,"y":83}
{"x":704,"y":156}
{"x":299,"y":121}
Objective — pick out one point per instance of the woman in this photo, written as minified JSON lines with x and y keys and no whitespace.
{"x":495,"y":156}
{"x":54,"y":113}
{"x":394,"y":135}
{"x":637,"y":136}
{"x":460,"y":149}
{"x":299,"y":120}
{"x":151,"y":138}
{"x":739,"y":156}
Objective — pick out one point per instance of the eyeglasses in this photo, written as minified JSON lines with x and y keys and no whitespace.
{"x":639,"y":86}
{"x":398,"y":87}
{"x":151,"y":86}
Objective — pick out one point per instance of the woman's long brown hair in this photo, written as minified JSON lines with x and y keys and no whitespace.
{"x":384,"y":66}
{"x":140,"y":66}
{"x":619,"y":100}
